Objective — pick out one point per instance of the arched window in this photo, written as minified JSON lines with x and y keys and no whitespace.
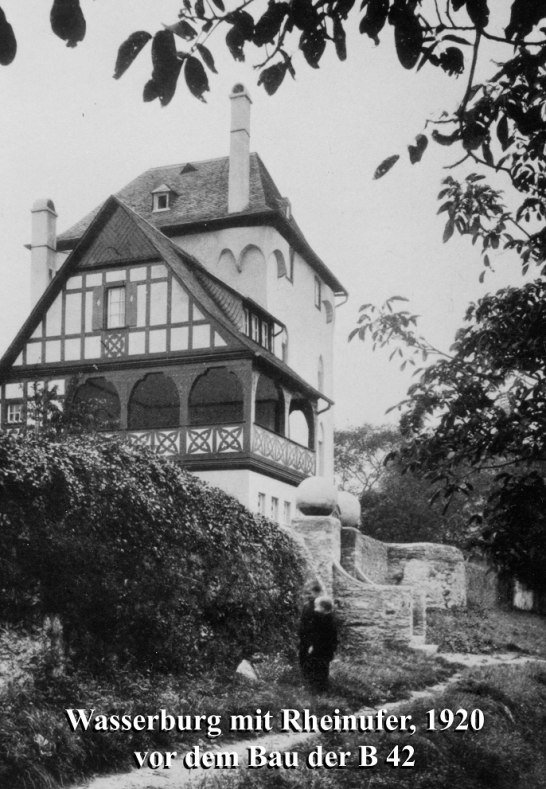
{"x":301,"y":423}
{"x":278,"y":260}
{"x":269,"y":411}
{"x":96,"y":404}
{"x":154,"y":403}
{"x":328,"y":311}
{"x":227,"y":265}
{"x":320,"y":374}
{"x":216,"y":397}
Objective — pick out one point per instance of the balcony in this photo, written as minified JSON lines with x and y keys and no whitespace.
{"x":283,"y":451}
{"x":194,"y":443}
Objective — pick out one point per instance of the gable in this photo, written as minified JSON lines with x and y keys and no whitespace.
{"x":119,"y":313}
{"x":119,"y":240}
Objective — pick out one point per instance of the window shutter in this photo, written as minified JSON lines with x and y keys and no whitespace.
{"x":98,"y":309}
{"x":131,"y":304}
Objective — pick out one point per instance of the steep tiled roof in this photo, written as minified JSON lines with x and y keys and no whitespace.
{"x":200,"y":195}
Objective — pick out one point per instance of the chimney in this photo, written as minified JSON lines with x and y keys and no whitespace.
{"x":239,"y":150}
{"x":43,"y":247}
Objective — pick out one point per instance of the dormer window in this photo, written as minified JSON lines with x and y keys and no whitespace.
{"x":162,"y":198}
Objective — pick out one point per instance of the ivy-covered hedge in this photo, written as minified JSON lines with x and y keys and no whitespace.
{"x":146,"y":565}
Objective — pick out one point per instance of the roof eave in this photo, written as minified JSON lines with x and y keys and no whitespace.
{"x":269,"y":216}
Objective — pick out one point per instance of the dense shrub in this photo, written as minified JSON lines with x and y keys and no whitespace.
{"x":146,"y":565}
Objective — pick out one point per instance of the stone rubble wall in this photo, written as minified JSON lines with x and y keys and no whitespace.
{"x":364,"y":555}
{"x":437,"y":570}
{"x":321,"y":535}
{"x":372,"y":614}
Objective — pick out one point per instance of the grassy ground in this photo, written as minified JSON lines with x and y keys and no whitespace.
{"x":38,"y":749}
{"x":478,"y":630}
{"x":509,"y":752}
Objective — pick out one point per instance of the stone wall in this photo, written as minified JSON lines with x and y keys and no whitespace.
{"x":372,"y":614}
{"x":321,"y":535}
{"x":363,"y":554}
{"x":438,"y":570}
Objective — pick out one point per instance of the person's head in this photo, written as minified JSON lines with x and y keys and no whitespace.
{"x":313,"y":590}
{"x":324,"y":605}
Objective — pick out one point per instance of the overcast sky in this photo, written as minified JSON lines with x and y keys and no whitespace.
{"x":72,"y":133}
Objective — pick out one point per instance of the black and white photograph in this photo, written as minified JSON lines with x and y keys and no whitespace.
{"x":273,"y":394}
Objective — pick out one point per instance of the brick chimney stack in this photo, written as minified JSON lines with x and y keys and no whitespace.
{"x":239,"y":151}
{"x":43,"y":247}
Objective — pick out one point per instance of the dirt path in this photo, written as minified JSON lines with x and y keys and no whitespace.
{"x":180,"y":776}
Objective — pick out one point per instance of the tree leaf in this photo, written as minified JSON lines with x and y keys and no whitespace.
{"x":166,"y":67}
{"x":220,"y":5}
{"x":312,"y":45}
{"x":196,"y":77}
{"x":268,"y":25}
{"x":272,"y":77}
{"x":416,"y":151}
{"x":385,"y":166}
{"x":503,"y":132}
{"x":452,"y":61}
{"x":184,"y":30}
{"x":448,"y":230}
{"x":200,"y":9}
{"x":408,"y":34}
{"x":445,"y":139}
{"x":235,"y":42}
{"x":339,"y":39}
{"x":129,"y":50}
{"x":208,"y":60}
{"x":373,"y":22}
{"x":68,"y":21}
{"x":244,"y":22}
{"x":304,"y":15}
{"x":8,"y":42}
{"x":525,"y":14}
{"x":478,"y":12}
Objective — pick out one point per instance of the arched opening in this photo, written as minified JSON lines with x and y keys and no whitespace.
{"x":320,"y":374}
{"x":227,"y":266}
{"x":301,"y":423}
{"x":154,"y":403}
{"x":328,"y":311}
{"x":96,"y":405}
{"x":253,"y":273}
{"x":269,"y":405}
{"x":278,"y":260}
{"x":216,"y":397}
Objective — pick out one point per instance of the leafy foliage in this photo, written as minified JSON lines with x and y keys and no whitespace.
{"x":359,"y":456}
{"x":146,"y":565}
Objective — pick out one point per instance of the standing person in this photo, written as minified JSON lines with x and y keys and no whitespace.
{"x":320,"y":645}
{"x":313,"y":591}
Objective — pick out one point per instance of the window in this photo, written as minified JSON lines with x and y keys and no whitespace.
{"x":317,"y":293}
{"x":274,"y":509}
{"x":269,"y":406}
{"x":287,"y":514}
{"x":161,"y":201}
{"x":261,"y":503}
{"x":115,"y":307}
{"x":246,"y":315}
{"x":14,"y":413}
{"x":255,"y":328}
{"x":266,"y":336}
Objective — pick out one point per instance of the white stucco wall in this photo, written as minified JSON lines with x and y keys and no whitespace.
{"x":245,"y":486}
{"x":225,"y":253}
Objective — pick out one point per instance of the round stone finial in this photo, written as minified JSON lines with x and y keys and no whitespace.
{"x":316,"y":496}
{"x":349,"y":509}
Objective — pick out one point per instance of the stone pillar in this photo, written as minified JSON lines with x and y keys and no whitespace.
{"x":322,"y":537}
